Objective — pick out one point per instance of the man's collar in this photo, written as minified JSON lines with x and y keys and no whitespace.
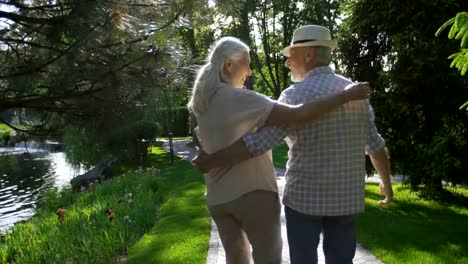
{"x":319,"y":70}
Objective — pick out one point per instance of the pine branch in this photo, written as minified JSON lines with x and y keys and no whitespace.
{"x":459,"y":30}
{"x":32,"y":44}
{"x":32,"y":20}
{"x":147,"y":35}
{"x":25,"y":7}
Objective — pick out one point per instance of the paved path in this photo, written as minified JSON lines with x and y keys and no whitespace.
{"x":216,"y":253}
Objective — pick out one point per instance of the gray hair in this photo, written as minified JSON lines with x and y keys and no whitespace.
{"x":211,"y":76}
{"x":323,"y":54}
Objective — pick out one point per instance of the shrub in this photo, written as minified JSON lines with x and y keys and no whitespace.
{"x":6,"y":136}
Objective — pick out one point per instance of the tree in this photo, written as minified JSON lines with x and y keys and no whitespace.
{"x":89,"y":67}
{"x":77,"y":58}
{"x":386,"y":44}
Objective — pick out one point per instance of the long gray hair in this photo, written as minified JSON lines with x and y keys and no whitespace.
{"x":211,"y":76}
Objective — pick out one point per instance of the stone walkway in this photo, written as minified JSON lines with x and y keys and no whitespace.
{"x":216,"y":253}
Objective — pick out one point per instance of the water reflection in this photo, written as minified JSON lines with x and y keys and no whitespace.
{"x":25,"y":179}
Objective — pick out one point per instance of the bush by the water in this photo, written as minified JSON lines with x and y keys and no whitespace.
{"x":6,"y":136}
{"x":103,"y":221}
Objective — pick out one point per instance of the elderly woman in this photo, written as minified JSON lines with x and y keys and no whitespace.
{"x":243,"y":199}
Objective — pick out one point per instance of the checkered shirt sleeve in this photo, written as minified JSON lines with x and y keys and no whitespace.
{"x":268,"y":137}
{"x":375,"y":142}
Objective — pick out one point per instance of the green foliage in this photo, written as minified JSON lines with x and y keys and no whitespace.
{"x":92,"y":64}
{"x":280,"y":155}
{"x":6,"y":136}
{"x":175,"y":121}
{"x":465,"y":105}
{"x":272,"y":31}
{"x":458,"y":31}
{"x":449,"y":152}
{"x":85,"y":46}
{"x":170,"y":109}
{"x":103,"y":71}
{"x":414,"y":90}
{"x":460,"y":61}
{"x":142,"y":129}
{"x":82,"y":147}
{"x":4,"y":127}
{"x":197,"y":33}
{"x":86,"y":146}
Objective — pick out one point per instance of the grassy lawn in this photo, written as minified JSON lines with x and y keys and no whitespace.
{"x":157,"y":216}
{"x":414,"y":230}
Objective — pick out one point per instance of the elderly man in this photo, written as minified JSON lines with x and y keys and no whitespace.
{"x":324,"y":189}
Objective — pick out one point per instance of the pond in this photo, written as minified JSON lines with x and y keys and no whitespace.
{"x":25,"y":178}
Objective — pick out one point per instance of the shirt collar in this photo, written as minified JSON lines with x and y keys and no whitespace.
{"x":318,"y":70}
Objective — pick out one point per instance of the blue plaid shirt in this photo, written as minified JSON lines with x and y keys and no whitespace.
{"x":325,"y":173}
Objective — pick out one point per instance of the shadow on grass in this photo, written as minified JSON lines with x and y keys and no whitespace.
{"x":431,"y":229}
{"x":452,"y":198}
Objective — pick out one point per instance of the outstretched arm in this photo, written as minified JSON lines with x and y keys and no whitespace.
{"x":283,"y":114}
{"x":375,"y":147}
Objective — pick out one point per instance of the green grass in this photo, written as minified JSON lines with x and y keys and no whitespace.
{"x":178,"y":138}
{"x":462,"y":190}
{"x":183,"y":138}
{"x":168,"y":207}
{"x":182,"y":232}
{"x":413,"y":230}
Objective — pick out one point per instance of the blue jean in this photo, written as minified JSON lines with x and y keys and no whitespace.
{"x":339,"y":237}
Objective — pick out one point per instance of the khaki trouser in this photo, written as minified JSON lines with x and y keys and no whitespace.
{"x":254,"y":217}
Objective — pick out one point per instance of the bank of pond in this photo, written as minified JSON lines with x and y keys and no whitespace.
{"x":103,"y":222}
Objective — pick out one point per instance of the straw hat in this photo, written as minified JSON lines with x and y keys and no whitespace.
{"x":311,"y":35}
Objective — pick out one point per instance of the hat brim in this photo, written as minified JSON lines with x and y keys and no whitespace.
{"x":322,"y":43}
